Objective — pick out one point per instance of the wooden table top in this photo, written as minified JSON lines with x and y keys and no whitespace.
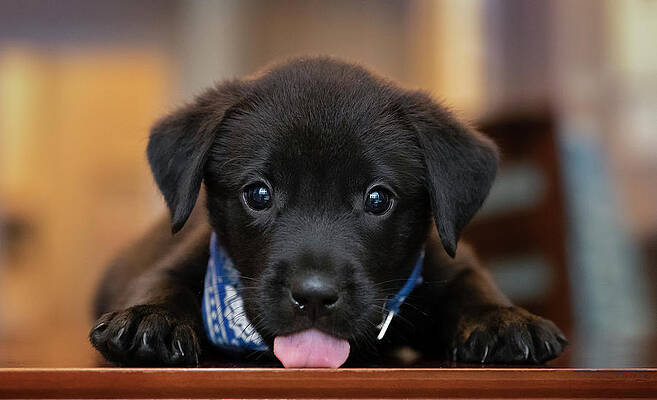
{"x":343,"y":383}
{"x":593,"y":368}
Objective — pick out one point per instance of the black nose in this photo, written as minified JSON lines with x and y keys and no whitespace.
{"x":314,"y":294}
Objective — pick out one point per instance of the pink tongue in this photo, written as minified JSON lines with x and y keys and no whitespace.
{"x":311,"y":349}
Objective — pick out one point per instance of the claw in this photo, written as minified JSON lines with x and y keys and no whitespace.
{"x":454,"y":352}
{"x":548,"y":346}
{"x":483,"y":359}
{"x":120,"y":333}
{"x":144,"y":340}
{"x":180,"y":348}
{"x":101,"y":325}
{"x":526,"y":352}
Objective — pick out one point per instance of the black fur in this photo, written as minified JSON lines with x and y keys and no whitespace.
{"x":178,"y":147}
{"x":320,"y":133}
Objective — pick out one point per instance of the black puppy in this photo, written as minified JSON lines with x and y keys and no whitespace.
{"x":329,"y":189}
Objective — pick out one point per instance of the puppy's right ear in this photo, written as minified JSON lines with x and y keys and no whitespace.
{"x":179,"y":143}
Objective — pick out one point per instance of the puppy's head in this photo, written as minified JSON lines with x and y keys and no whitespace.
{"x":322,"y":182}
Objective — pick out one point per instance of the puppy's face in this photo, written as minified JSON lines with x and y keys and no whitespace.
{"x":321,"y":182}
{"x":323,"y":211}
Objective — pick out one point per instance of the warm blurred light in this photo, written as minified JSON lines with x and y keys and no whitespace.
{"x":21,"y":78}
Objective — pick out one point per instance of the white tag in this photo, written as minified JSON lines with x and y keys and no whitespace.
{"x":384,"y":325}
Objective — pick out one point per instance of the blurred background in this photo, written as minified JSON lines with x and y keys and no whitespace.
{"x":568,"y":88}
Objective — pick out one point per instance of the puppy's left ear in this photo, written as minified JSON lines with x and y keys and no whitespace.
{"x":179,"y":143}
{"x":460,"y":166}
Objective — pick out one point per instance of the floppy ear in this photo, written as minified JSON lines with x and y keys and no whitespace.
{"x":178,"y":147}
{"x":460,"y":166}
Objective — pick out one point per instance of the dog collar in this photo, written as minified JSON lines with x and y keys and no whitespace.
{"x":394,"y":303}
{"x":224,"y":317}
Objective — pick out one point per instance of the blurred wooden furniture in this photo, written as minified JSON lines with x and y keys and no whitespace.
{"x":342,"y":383}
{"x":529,"y":141}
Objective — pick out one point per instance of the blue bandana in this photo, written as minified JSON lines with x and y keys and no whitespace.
{"x":224,"y":317}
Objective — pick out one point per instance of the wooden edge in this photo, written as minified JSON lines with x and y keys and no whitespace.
{"x":341,"y":383}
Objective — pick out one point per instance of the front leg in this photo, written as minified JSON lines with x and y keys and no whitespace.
{"x":483,"y":325}
{"x":489,"y":329}
{"x":161,"y":330}
{"x":149,"y":301}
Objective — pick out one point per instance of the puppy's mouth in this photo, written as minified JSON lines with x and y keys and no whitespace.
{"x":311,"y":348}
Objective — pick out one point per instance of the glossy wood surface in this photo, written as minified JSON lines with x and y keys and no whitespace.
{"x":343,"y":383}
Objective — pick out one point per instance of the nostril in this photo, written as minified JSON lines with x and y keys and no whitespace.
{"x":297,"y":300}
{"x":330,"y":301}
{"x":300,"y":301}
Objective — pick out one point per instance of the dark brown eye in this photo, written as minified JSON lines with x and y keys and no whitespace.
{"x":378,"y":200}
{"x":258,"y":196}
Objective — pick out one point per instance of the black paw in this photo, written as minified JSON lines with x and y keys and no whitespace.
{"x":146,"y":335}
{"x":506,"y":335}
